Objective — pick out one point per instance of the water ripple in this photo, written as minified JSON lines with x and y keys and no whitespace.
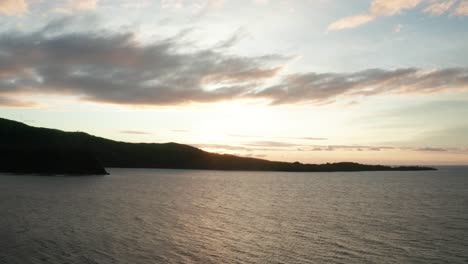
{"x":168,"y":216}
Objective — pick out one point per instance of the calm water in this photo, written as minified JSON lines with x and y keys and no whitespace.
{"x":170,"y":216}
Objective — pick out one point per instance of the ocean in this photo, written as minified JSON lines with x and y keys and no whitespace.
{"x":188,"y":216}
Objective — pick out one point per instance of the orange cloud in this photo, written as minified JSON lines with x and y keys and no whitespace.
{"x":350,"y":22}
{"x":462,"y":9}
{"x":13,"y":7}
{"x":84,"y":4}
{"x":394,"y":7}
{"x":391,"y":7}
{"x":439,"y":7}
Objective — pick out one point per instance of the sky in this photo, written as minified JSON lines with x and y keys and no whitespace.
{"x":314,"y":81}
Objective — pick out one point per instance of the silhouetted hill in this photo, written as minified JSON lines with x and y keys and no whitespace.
{"x":49,"y":160}
{"x":16,"y":135}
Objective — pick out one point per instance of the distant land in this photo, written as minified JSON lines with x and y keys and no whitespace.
{"x":27,"y":149}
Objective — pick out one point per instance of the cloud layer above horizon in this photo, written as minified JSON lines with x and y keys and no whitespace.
{"x":118,"y":68}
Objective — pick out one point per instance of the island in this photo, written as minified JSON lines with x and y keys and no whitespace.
{"x":81,"y":153}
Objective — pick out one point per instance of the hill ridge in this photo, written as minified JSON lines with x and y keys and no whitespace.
{"x":171,"y":155}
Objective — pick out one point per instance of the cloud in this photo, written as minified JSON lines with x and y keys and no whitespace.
{"x":311,"y":138}
{"x":322,"y":88}
{"x":350,"y":22}
{"x":134,"y":132}
{"x":70,"y":6}
{"x":462,"y":9}
{"x":439,"y":7}
{"x":432,"y":149}
{"x":219,"y":147}
{"x":10,"y":102}
{"x":115,"y":68}
{"x":377,"y":8}
{"x":279,"y":145}
{"x":268,"y":146}
{"x":233,"y":40}
{"x":346,"y":148}
{"x":84,"y":4}
{"x":13,"y":7}
{"x":392,"y":7}
{"x":287,"y":146}
{"x":380,"y":8}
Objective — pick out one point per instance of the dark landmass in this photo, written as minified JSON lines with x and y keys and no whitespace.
{"x":49,"y":161}
{"x":15,"y":136}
